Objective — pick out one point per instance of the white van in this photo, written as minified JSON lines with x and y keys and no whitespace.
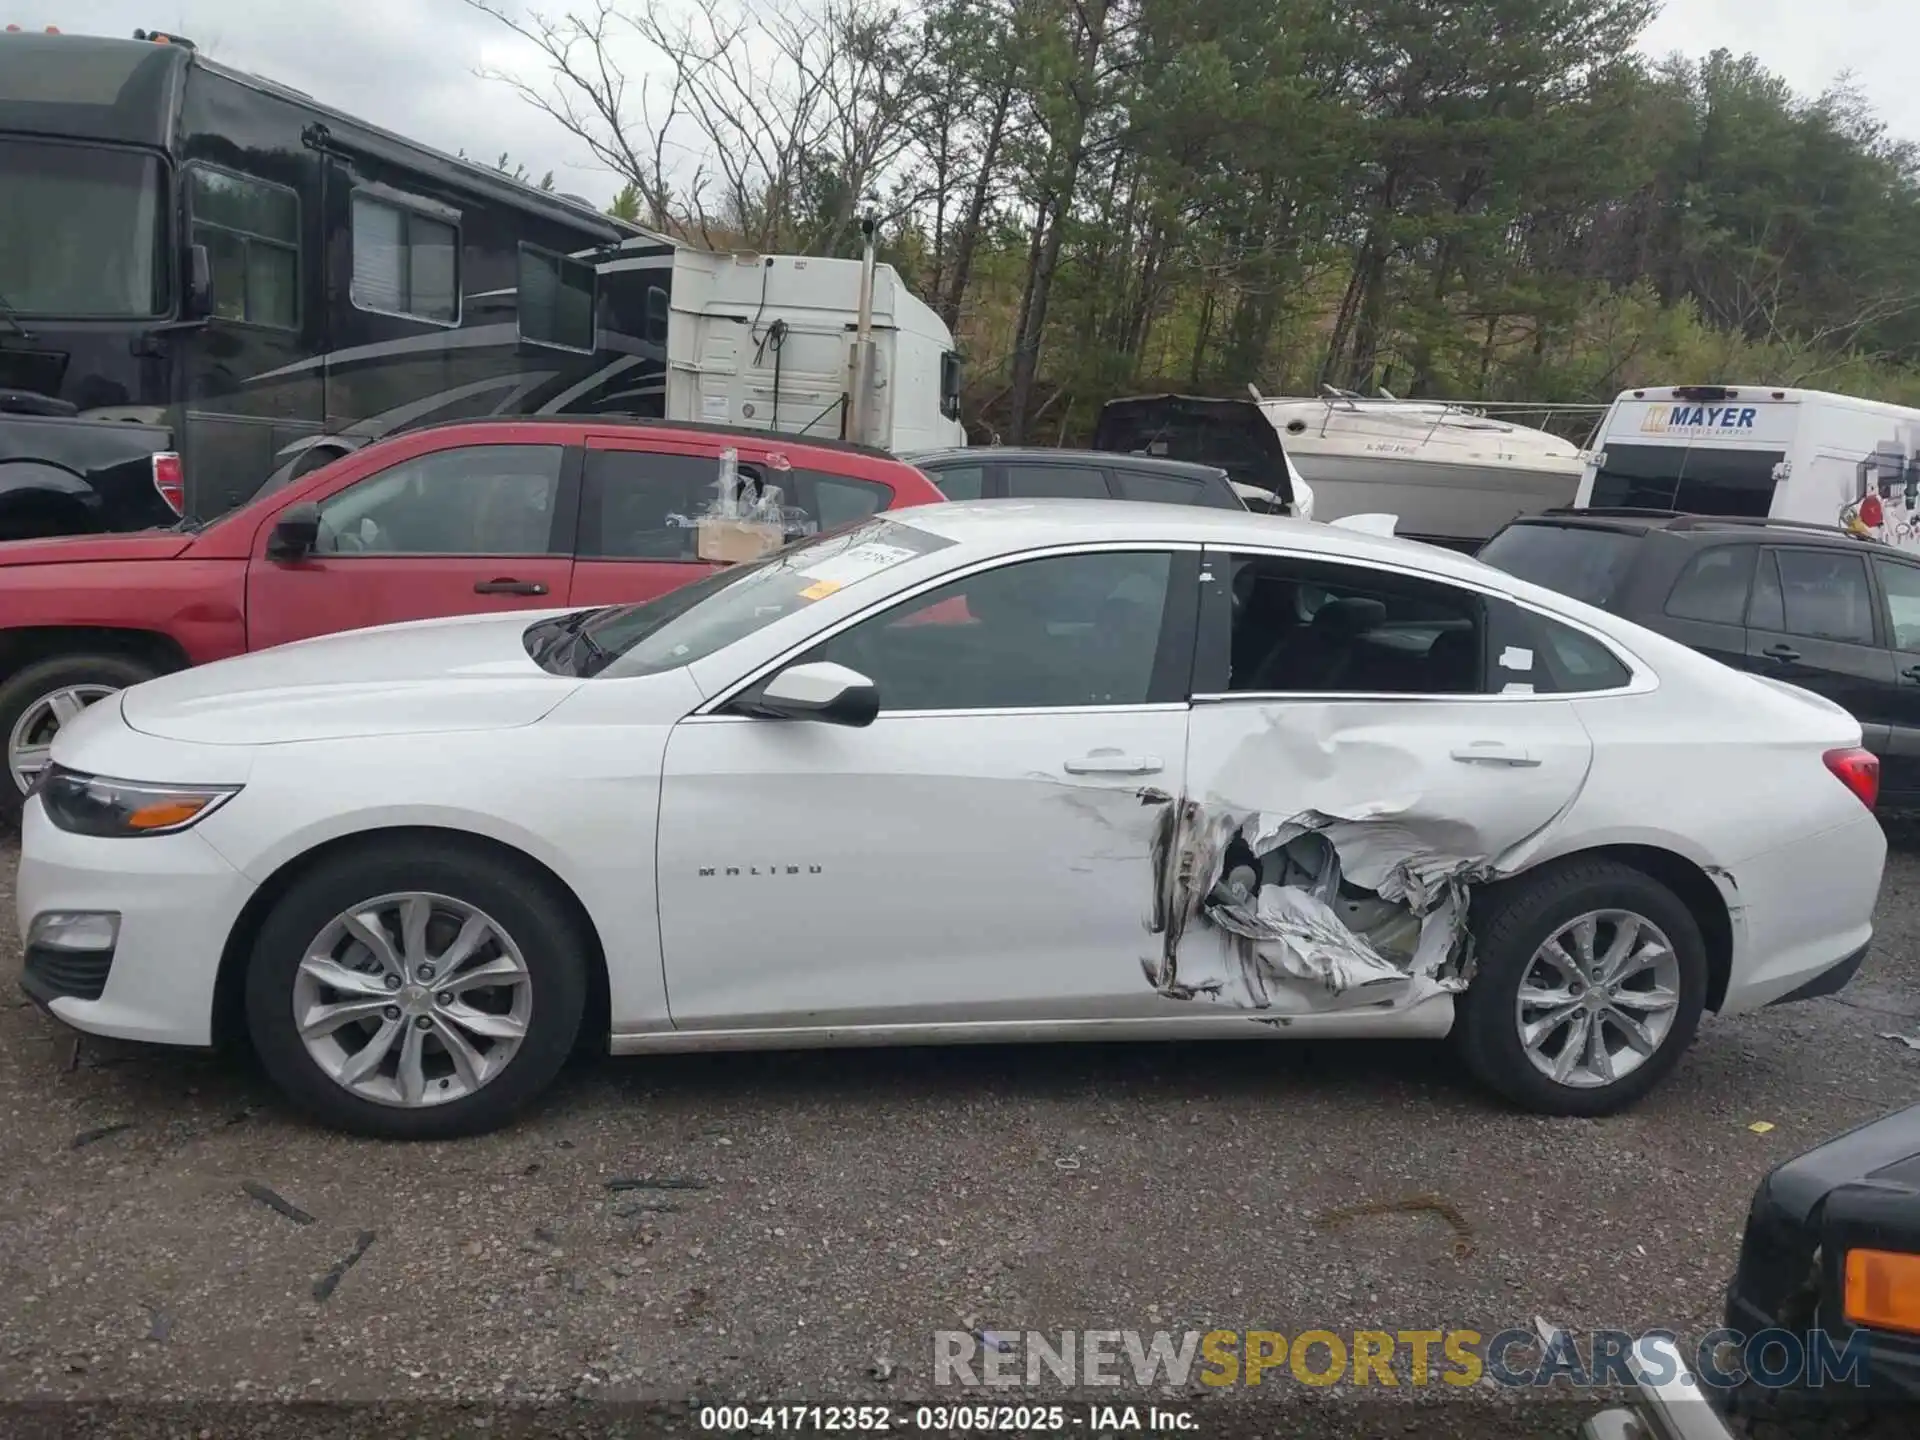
{"x":1750,"y":450}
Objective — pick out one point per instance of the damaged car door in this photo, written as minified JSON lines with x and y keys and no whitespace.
{"x":1366,"y":745}
{"x":980,"y":852}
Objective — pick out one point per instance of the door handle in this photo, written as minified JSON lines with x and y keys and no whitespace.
{"x":1492,"y":752}
{"x":506,"y":585}
{"x":1101,"y":763}
{"x":1912,"y":672}
{"x":1781,"y":653}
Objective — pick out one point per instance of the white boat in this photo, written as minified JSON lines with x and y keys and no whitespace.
{"x":1451,"y":473}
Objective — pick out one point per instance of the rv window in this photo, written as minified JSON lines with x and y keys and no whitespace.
{"x":556,"y":299}
{"x":405,"y":263}
{"x":252,"y":233}
{"x":1694,"y":479}
{"x":82,"y":231}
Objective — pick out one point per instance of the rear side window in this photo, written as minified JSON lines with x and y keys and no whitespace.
{"x":1045,"y":482}
{"x":1534,"y":654}
{"x":1714,"y":586}
{"x":1901,"y":585}
{"x":1583,"y":561}
{"x":1820,"y":594}
{"x":1163,"y":489}
{"x":640,"y":504}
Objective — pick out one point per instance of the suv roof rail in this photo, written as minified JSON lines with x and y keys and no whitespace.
{"x":1759,"y":522}
{"x":1613,"y":512}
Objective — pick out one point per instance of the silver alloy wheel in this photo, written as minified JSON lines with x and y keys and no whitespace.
{"x":412,"y":999}
{"x":30,"y":746}
{"x":1598,"y":999}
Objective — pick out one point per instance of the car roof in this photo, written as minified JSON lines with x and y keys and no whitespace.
{"x":1000,"y":526}
{"x":1719,"y":528}
{"x":1045,"y":455}
{"x":646,"y":423}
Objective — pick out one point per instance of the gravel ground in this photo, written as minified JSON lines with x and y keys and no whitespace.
{"x":840,"y":1208}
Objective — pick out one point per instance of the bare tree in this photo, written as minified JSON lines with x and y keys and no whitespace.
{"x":771,"y":125}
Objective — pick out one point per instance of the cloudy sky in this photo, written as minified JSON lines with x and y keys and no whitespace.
{"x":410,"y":64}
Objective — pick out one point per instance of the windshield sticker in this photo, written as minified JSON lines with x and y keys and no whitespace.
{"x":1515,"y":658}
{"x":856,"y":564}
{"x":820,"y":589}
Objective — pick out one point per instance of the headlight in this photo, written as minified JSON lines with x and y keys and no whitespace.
{"x":96,"y":805}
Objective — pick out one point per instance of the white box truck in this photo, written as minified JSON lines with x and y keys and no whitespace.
{"x":1758,"y":451}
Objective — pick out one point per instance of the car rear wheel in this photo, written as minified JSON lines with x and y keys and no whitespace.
{"x":417,"y":990}
{"x":1590,"y":981}
{"x":39,"y":699}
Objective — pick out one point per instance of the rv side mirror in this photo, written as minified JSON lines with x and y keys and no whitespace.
{"x":295,"y":533}
{"x":198,"y":302}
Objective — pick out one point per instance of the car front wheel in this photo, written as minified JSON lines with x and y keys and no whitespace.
{"x":416,"y":990}
{"x":1590,"y":981}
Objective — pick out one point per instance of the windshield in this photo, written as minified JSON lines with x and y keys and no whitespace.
{"x":80,"y":231}
{"x":1693,"y":479}
{"x":1583,"y":561}
{"x":694,"y":621}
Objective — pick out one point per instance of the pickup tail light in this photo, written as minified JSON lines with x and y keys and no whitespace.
{"x":1883,"y":1290}
{"x":170,"y":480}
{"x":1859,"y":771}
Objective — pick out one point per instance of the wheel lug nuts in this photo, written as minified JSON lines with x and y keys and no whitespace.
{"x":445,"y":997}
{"x":392,"y":1012}
{"x":393,"y":982}
{"x":426,"y":972}
{"x":422,"y":1023}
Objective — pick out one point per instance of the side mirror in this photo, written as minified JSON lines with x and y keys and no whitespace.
{"x":295,"y":533}
{"x":820,"y":690}
{"x":198,"y":300}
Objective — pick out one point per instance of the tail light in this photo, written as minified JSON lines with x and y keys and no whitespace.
{"x":169,"y":480}
{"x":1859,"y":771}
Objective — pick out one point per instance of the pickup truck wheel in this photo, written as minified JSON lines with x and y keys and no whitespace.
{"x":1589,"y":986}
{"x":39,"y":698}
{"x":416,"y":990}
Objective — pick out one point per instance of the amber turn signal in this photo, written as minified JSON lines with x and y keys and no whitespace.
{"x":1883,"y":1290}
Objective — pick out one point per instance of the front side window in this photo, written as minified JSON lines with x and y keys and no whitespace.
{"x":1714,"y":586}
{"x":642,"y":503}
{"x":475,"y":500}
{"x":82,"y":232}
{"x":1069,"y":630}
{"x":556,"y":299}
{"x":252,"y":233}
{"x":1305,"y":628}
{"x":1900,"y":583}
{"x":405,"y":262}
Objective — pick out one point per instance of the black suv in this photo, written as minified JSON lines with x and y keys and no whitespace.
{"x":1808,"y":604}
{"x":999,"y":472}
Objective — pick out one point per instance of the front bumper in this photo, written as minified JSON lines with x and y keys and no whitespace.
{"x":177,"y":899}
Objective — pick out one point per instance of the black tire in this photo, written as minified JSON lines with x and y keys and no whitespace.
{"x":541,"y":923}
{"x":1513,"y":919}
{"x":32,"y":683}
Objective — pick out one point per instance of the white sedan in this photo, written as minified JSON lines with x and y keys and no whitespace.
{"x":977,"y":772}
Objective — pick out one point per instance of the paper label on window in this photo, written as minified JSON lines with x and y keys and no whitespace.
{"x":1517,"y":687}
{"x":1515,"y":658}
{"x":856,"y":564}
{"x":713,"y":409}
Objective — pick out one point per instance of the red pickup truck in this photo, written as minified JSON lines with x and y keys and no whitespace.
{"x":447,"y":520}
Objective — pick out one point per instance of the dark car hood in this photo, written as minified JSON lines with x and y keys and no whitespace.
{"x":1883,"y":1154}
